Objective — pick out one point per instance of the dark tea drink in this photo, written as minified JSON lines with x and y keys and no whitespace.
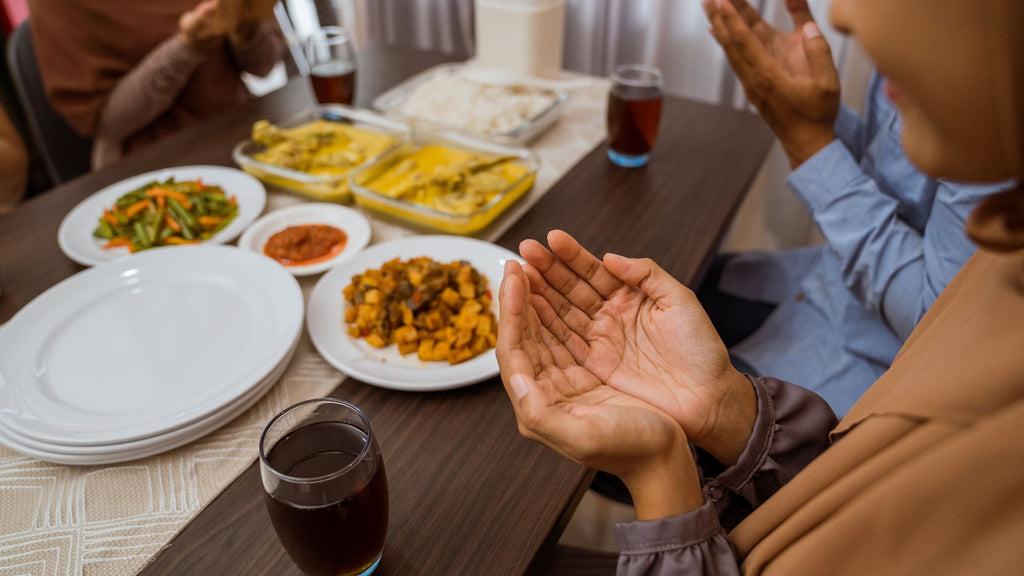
{"x":332,"y":65}
{"x":634,"y":111}
{"x":325,"y":488}
{"x":334,"y":82}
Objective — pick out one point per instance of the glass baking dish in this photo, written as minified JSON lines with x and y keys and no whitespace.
{"x":332,"y":187}
{"x":361,"y":182}
{"x":391,"y":101}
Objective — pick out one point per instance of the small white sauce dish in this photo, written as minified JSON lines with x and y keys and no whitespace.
{"x":355,"y":226}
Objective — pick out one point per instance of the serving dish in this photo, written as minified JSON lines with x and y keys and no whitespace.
{"x":394,"y":100}
{"x":75,"y":235}
{"x":386,"y":367}
{"x":355,"y":226}
{"x":363,"y":182}
{"x":331,"y":187}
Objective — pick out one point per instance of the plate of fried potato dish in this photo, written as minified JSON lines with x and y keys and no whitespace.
{"x":418,"y":313}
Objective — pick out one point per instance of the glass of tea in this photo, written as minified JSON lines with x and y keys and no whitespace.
{"x":332,"y":65}
{"x":634,"y":110}
{"x":325,"y":487}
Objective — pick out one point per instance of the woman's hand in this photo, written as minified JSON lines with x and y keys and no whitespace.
{"x":630,"y":325}
{"x":562,"y":405}
{"x":788,"y":76}
{"x":210,"y":20}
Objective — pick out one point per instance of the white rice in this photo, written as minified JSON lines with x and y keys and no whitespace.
{"x":450,"y":98}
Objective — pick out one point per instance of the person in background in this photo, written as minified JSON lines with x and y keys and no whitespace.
{"x":13,"y":164}
{"x":620,"y":369}
{"x":832,"y":317}
{"x":126,"y":73}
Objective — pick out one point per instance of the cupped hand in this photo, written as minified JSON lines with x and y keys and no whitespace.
{"x":789,"y":77}
{"x":564,"y":406}
{"x":634,"y":327}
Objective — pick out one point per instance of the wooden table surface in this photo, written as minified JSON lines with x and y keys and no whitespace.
{"x":468,"y":494}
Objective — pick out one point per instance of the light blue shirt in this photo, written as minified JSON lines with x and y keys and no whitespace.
{"x":894,"y":240}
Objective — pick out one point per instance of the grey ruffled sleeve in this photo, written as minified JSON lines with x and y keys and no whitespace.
{"x":791,"y":429}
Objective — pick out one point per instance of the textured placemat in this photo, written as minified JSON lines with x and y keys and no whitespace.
{"x":110,"y":520}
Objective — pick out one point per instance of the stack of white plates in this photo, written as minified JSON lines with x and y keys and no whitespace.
{"x":147,"y":353}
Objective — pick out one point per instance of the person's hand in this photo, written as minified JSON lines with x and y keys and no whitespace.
{"x":208,"y":21}
{"x":637,"y":329}
{"x":789,"y":77}
{"x":562,"y":405}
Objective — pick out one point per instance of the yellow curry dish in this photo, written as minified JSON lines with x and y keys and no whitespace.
{"x":446,"y":187}
{"x":315,"y":158}
{"x":440,"y":311}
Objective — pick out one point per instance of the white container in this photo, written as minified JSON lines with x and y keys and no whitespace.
{"x":523,"y":37}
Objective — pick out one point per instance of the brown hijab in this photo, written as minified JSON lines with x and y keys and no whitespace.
{"x":84,"y":47}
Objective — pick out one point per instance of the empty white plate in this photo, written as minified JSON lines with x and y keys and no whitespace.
{"x":355,"y":226}
{"x":75,"y":234}
{"x":144,"y":345}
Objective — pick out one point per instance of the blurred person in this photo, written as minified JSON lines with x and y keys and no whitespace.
{"x":620,"y":369}
{"x":13,"y":164}
{"x":127,"y":73}
{"x":832,"y":317}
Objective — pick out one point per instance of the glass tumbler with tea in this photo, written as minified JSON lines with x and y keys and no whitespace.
{"x":332,"y":65}
{"x":325,"y":487}
{"x":634,"y":110}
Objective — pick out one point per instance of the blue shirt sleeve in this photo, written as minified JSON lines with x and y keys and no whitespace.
{"x":889,"y":266}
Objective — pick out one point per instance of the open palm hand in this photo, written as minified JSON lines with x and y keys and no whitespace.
{"x":633,"y":327}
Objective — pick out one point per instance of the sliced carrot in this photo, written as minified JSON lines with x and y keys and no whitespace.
{"x":117,"y":242}
{"x":161,"y":202}
{"x":172,"y":223}
{"x":210,"y":221}
{"x":157,"y":192}
{"x":110,"y":218}
{"x":179,"y":240}
{"x":139,"y":206}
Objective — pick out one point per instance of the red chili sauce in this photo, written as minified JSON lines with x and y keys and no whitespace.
{"x":305,"y":245}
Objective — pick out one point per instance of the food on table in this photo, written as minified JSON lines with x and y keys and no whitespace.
{"x":440,"y":311}
{"x":318,"y":148}
{"x":453,"y":98}
{"x":165,"y":213}
{"x":305,"y":244}
{"x":447,"y":180}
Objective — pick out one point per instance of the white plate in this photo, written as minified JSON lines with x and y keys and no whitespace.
{"x":146,"y":344}
{"x":75,"y":234}
{"x":355,"y":226}
{"x":385,"y":367}
{"x":111,"y":453}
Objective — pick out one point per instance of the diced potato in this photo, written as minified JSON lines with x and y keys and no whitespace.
{"x":375,"y":340}
{"x":406,"y":334}
{"x":350,"y":314}
{"x":426,"y":350}
{"x":372,"y":297}
{"x":483,"y":325}
{"x":407,"y":347}
{"x":451,"y":298}
{"x":467,"y":290}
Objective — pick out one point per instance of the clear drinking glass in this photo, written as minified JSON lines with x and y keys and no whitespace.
{"x":332,"y":65}
{"x":634,"y":110}
{"x":325,"y":487}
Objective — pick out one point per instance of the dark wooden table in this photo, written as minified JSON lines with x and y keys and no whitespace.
{"x":468,"y":494}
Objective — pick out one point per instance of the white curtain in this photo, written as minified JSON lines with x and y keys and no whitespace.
{"x":670,"y":34}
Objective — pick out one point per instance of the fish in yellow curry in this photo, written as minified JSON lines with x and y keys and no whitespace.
{"x":451,"y":181}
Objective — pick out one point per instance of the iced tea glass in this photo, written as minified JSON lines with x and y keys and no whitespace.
{"x":325,"y":487}
{"x":634,"y":110}
{"x":332,"y":65}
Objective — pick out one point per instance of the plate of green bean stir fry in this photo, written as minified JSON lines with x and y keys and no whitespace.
{"x":174,"y":206}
